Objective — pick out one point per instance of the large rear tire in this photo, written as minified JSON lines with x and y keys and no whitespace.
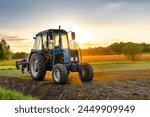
{"x":87,"y":73}
{"x":60,"y":74}
{"x":37,"y":66}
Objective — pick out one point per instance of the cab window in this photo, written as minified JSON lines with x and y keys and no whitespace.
{"x":64,"y":41}
{"x":50,"y":41}
{"x":44,"y":42}
{"x":38,"y":43}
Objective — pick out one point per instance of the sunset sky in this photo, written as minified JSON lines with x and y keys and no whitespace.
{"x":96,"y":22}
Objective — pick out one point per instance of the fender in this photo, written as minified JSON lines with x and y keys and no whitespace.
{"x":37,"y":51}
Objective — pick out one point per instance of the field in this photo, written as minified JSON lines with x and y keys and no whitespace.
{"x":113,"y":58}
{"x":115,"y":78}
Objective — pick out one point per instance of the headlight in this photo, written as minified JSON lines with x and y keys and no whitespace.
{"x":76,"y":58}
{"x":72,"y":59}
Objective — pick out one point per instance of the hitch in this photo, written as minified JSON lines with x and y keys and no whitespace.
{"x":22,"y":65}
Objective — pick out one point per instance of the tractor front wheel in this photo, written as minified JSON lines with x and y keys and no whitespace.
{"x":60,"y":74}
{"x":87,"y":73}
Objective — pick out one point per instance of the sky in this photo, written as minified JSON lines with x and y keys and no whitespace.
{"x":96,"y":22}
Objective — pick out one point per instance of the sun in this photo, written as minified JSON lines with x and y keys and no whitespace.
{"x":81,"y":32}
{"x":82,"y":35}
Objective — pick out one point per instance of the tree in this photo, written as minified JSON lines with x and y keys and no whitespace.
{"x":132,"y":50}
{"x":20,"y":55}
{"x":5,"y":52}
{"x":116,"y":48}
{"x":146,"y":47}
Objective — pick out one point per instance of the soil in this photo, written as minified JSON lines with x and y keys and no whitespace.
{"x":105,"y":85}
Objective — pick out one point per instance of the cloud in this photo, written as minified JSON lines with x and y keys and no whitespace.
{"x":138,"y":8}
{"x":10,"y":38}
{"x":16,"y":42}
{"x":113,"y":6}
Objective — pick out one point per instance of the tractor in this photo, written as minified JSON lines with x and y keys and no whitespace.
{"x":52,"y":52}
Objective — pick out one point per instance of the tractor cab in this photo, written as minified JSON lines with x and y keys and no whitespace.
{"x":56,"y":42}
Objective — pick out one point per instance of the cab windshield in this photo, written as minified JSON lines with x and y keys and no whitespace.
{"x":64,"y":40}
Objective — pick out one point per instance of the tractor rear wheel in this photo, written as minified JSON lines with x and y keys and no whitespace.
{"x":37,"y":66}
{"x":87,"y":73}
{"x":60,"y":74}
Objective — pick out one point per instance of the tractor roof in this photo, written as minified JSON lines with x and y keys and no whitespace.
{"x":51,"y":30}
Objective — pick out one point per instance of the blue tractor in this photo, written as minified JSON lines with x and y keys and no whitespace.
{"x":51,"y":51}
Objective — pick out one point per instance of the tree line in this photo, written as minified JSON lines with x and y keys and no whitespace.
{"x":130,"y":50}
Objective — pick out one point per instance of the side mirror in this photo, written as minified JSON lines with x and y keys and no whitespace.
{"x":34,"y":37}
{"x":73,"y":35}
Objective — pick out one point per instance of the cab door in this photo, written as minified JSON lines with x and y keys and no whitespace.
{"x":64,"y":51}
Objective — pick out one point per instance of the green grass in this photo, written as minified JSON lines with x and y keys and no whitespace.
{"x":14,"y":73}
{"x":10,"y":67}
{"x":8,"y":62}
{"x":121,"y":66}
{"x":13,"y":95}
{"x":10,"y":71}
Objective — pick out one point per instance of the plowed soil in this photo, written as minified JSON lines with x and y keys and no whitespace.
{"x":105,"y":85}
